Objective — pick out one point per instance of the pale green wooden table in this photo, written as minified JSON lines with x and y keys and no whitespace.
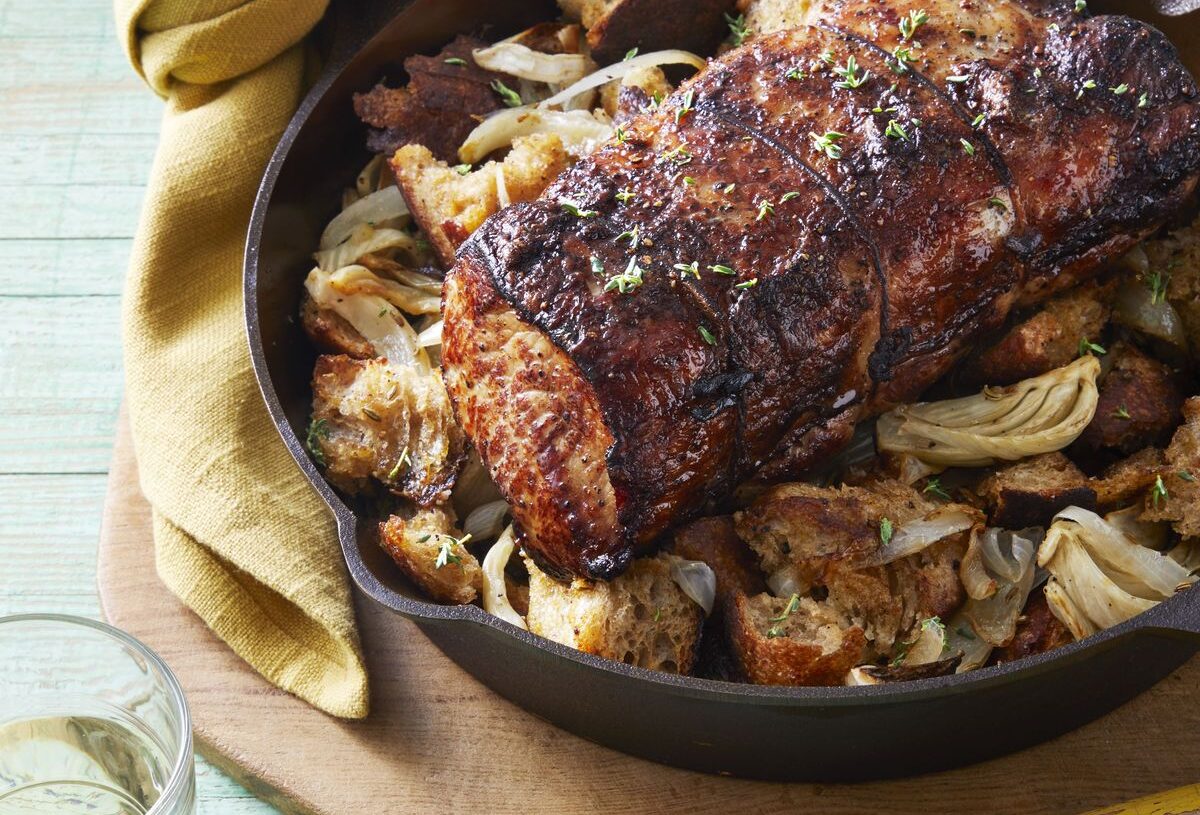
{"x":77,"y":136}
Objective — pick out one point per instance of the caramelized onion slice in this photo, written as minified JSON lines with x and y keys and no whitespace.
{"x":994,"y":619}
{"x":1137,"y":569}
{"x":697,"y":580}
{"x":1079,"y":592}
{"x":963,"y":640}
{"x":618,"y":70}
{"x":373,"y":317}
{"x":581,"y":131}
{"x":354,"y":279}
{"x":495,"y":592}
{"x":524,"y":63}
{"x":366,"y":240}
{"x":915,"y":536}
{"x":486,"y":521}
{"x":1142,"y":310}
{"x":374,"y":209}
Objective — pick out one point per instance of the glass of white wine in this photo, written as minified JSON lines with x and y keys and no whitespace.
{"x":91,"y":721}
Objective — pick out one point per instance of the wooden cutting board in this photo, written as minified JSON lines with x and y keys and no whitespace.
{"x":439,"y":741}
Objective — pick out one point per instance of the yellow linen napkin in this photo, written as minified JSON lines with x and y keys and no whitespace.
{"x":240,"y":536}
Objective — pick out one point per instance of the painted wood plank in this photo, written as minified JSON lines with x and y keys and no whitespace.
{"x":58,"y":268}
{"x":53,"y":211}
{"x":48,"y":542}
{"x":221,"y":795}
{"x":120,"y":159}
{"x":60,"y":383}
{"x":60,"y":60}
{"x":28,"y":19}
{"x":128,"y":107}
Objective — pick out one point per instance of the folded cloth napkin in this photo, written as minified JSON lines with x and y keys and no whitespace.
{"x":239,"y":535}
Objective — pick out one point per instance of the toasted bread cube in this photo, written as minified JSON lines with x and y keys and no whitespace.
{"x":426,"y":548}
{"x":1031,"y":492}
{"x":641,"y":618}
{"x":889,"y":603}
{"x":449,"y":206}
{"x":793,"y":641}
{"x":1044,"y":341}
{"x":1180,"y":478}
{"x":374,"y":422}
{"x":1128,"y":479}
{"x":821,"y":539}
{"x":615,"y":26}
{"x":438,"y":108}
{"x":768,"y":16}
{"x":330,"y":332}
{"x":805,"y":527}
{"x":1139,"y":405}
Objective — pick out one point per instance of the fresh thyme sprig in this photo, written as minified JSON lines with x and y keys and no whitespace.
{"x":738,"y":32}
{"x":910,"y":24}
{"x":628,"y":280}
{"x":886,"y":530}
{"x":576,"y":209}
{"x":827,"y":143}
{"x":850,"y":76}
{"x":507,"y":94}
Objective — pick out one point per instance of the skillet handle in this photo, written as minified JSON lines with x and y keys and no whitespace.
{"x":1178,"y":617}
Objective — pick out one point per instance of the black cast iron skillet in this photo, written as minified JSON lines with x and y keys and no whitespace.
{"x":815,"y":734}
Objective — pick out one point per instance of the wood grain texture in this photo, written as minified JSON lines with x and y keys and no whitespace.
{"x":439,"y":741}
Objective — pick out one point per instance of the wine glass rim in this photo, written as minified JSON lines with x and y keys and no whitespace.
{"x":183,"y":766}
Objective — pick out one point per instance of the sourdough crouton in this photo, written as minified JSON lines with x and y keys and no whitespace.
{"x":1176,"y":260}
{"x":438,"y":108}
{"x":817,"y":542}
{"x":615,"y":26}
{"x":372,"y":420}
{"x":1038,"y":630}
{"x":890,"y":602}
{"x":1044,"y":341}
{"x":713,"y":541}
{"x":1032,"y":491}
{"x":449,"y":206}
{"x":1139,"y":405}
{"x":1127,"y":479}
{"x":641,"y":618}
{"x":768,"y":16}
{"x":428,"y":550}
{"x":793,"y":641}
{"x":1178,"y":501}
{"x":330,"y":332}
{"x":807,"y":527}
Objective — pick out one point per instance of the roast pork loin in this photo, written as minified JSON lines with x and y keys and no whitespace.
{"x":814,"y":228}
